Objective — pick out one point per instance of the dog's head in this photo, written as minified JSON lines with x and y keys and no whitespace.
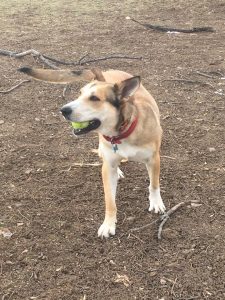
{"x":99,"y":102}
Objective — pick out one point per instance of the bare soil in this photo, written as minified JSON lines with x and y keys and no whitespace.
{"x":54,"y":207}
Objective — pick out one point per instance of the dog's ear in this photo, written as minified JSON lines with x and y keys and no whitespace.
{"x":128,"y":87}
{"x":98,"y":74}
{"x":62,"y":76}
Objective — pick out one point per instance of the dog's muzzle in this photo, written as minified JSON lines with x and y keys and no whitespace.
{"x":66,"y":112}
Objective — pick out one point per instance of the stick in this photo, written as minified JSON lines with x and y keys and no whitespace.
{"x":165,"y":156}
{"x":115,"y":56}
{"x":28,"y":52}
{"x":14,"y":87}
{"x":171,"y":292}
{"x":86,"y":164}
{"x":66,"y":88}
{"x":166,"y":29}
{"x":143,"y":227}
{"x":46,"y":59}
{"x":204,"y":74}
{"x":166,"y":216}
{"x":190,"y":81}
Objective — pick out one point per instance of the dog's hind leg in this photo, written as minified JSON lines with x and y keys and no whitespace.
{"x":110,"y":179}
{"x":153,"y":167}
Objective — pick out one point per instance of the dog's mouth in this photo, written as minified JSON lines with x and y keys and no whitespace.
{"x":94,"y":124}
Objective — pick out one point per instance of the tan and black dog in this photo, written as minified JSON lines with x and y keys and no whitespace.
{"x":126,"y":118}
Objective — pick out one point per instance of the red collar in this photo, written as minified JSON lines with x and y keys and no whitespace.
{"x":117,"y":139}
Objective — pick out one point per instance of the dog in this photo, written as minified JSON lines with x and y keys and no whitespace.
{"x":127,"y":120}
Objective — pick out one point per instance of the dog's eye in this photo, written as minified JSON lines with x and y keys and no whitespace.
{"x":94,"y":98}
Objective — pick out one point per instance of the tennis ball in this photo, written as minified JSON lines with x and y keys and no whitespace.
{"x":79,"y":125}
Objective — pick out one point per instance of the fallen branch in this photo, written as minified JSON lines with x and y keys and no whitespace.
{"x":169,"y":157}
{"x":172,"y":29}
{"x":204,"y":74}
{"x":115,"y":56}
{"x":86,"y":164}
{"x":65,"y":90}
{"x":33,"y":52}
{"x":190,"y":82}
{"x":14,"y":87}
{"x":145,"y":226}
{"x":48,"y":60}
{"x":166,"y":216}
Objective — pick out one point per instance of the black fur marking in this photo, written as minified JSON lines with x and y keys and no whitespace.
{"x":25,"y":70}
{"x":78,"y":73}
{"x":115,"y":102}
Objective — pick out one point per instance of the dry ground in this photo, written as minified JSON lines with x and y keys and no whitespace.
{"x":54,"y":208}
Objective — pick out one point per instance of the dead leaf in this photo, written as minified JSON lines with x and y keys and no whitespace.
{"x":122,"y":279}
{"x":162,"y":281}
{"x":196,"y":204}
{"x":5,"y":232}
{"x":20,"y":224}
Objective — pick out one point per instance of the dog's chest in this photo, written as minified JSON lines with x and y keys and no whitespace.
{"x":134,"y":153}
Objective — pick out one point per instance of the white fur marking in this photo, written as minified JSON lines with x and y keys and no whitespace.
{"x":120,"y":173}
{"x":107,"y":228}
{"x":156,"y":203}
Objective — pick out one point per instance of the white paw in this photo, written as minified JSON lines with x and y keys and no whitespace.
{"x":120,"y":173}
{"x":107,"y":229}
{"x":156,"y":203}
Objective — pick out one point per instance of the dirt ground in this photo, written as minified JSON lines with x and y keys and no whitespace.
{"x":54,"y":207}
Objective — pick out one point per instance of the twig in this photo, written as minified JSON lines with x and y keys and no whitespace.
{"x":171,"y":29}
{"x":137,"y":238}
{"x":29,"y":52}
{"x":143,"y":227}
{"x":11,"y":295}
{"x":166,"y":216}
{"x":170,"y":157}
{"x":175,"y":281}
{"x":23,"y":215}
{"x":116,"y":56}
{"x":82,"y":58}
{"x":14,"y":87}
{"x":204,"y":74}
{"x":46,"y":59}
{"x":190,"y":82}
{"x":86,"y":164}
{"x":189,"y":298}
{"x":66,"y":88}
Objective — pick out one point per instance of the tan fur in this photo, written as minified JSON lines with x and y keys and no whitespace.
{"x":142,"y":145}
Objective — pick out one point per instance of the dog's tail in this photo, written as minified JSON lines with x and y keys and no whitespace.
{"x":63,"y":76}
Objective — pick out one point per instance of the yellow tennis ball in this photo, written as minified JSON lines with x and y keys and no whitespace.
{"x":79,"y":125}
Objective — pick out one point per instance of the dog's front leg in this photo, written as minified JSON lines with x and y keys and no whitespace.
{"x":153,"y":167}
{"x":110,"y":178}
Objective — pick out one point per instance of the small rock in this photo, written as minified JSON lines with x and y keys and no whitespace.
{"x":162,"y":281}
{"x":196,"y":204}
{"x":2,"y":122}
{"x":6,"y":232}
{"x":20,"y":224}
{"x":28,"y":171}
{"x":212,"y":149}
{"x":152,"y":274}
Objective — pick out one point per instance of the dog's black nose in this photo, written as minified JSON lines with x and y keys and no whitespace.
{"x":66,"y":111}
